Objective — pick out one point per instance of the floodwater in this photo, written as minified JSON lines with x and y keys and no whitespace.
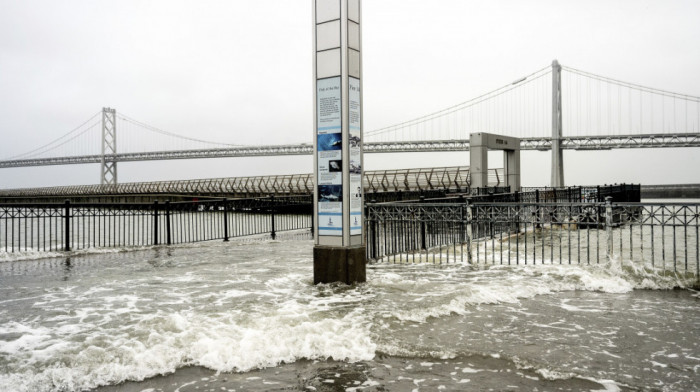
{"x":245,"y":316}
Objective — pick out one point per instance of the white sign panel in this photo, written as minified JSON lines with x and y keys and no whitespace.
{"x":355,"y":154}
{"x":329,"y":144}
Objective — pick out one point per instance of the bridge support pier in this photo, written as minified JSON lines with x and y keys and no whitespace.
{"x":557,"y":180}
{"x":108,"y":171}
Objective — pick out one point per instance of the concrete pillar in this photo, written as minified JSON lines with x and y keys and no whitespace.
{"x":511,"y":168}
{"x":339,"y":248}
{"x":478,"y":160}
{"x":557,"y":180}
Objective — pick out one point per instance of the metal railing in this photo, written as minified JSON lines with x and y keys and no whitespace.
{"x":410,"y":231}
{"x":655,"y":237}
{"x":619,"y":193}
{"x":65,"y":227}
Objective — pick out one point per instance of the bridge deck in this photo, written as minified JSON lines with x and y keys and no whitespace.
{"x":536,"y":143}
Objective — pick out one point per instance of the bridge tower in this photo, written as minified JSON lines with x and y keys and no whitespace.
{"x":557,"y":155}
{"x":339,"y":247}
{"x":108,"y":165}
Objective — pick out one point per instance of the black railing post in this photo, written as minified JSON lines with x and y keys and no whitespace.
{"x":155,"y":222}
{"x":374,"y":232}
{"x":312,"y":225}
{"x":225,"y":220}
{"x":66,"y":234}
{"x":167,"y":222}
{"x":537,"y":208}
{"x":422,"y":227}
{"x":272,"y":216}
{"x":369,"y":233}
{"x":462,"y":234}
{"x":608,"y":227}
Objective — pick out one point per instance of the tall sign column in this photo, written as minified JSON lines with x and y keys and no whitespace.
{"x":339,"y":248}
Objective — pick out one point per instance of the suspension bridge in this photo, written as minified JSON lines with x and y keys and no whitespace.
{"x":555,"y":108}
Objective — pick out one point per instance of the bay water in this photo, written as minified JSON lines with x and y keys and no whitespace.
{"x":245,"y":316}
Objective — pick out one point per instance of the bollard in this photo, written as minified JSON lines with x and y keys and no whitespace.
{"x":66,"y":234}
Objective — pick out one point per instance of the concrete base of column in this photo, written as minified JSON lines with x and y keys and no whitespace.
{"x":338,"y":264}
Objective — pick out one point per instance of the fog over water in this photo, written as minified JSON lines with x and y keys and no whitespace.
{"x":240,"y":72}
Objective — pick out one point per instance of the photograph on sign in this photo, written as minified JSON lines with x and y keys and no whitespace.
{"x":330,"y":210}
{"x":355,"y":166}
{"x":354,"y":141}
{"x":335,"y":165}
{"x":330,"y":141}
{"x":330,"y":193}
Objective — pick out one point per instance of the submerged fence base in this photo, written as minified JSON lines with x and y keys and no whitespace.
{"x":663,"y":238}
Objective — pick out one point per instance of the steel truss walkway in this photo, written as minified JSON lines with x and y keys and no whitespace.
{"x":293,"y":184}
{"x":541,"y":144}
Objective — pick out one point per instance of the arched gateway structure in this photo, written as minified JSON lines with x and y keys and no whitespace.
{"x":479,"y":145}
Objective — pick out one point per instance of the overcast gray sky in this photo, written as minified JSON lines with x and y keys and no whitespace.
{"x":240,"y":72}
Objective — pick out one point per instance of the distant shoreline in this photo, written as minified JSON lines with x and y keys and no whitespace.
{"x":672,"y":191}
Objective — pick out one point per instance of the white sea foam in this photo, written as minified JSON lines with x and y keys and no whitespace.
{"x":160,"y":343}
{"x":29,"y":254}
{"x":456,"y":293}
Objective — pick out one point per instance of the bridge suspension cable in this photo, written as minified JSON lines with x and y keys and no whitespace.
{"x":70,"y":136}
{"x":513,"y":109}
{"x":134,"y":139}
{"x":599,"y":105}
